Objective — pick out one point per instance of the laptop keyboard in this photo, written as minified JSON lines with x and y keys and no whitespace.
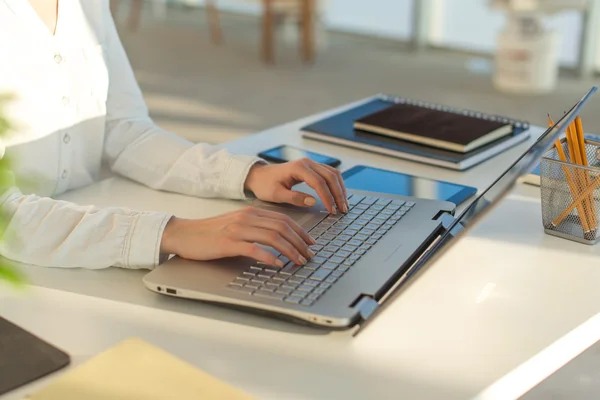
{"x":342,"y":240}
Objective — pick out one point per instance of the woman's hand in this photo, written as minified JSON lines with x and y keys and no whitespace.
{"x":237,"y":234}
{"x":274,"y":182}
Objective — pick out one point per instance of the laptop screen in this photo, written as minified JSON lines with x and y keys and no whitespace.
{"x":524,"y":164}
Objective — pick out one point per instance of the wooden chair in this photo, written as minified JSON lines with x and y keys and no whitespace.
{"x":307,"y":25}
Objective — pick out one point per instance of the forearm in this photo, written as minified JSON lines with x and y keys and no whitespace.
{"x":51,"y":233}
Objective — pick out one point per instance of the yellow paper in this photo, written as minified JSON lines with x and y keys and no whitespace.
{"x":135,"y":370}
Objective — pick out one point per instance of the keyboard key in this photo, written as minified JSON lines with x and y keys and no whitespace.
{"x":289,"y":269}
{"x":360,"y":252}
{"x":384,"y":202}
{"x":361,"y":207}
{"x":354,"y":256}
{"x":367,"y":231}
{"x":258,"y":279}
{"x":284,"y":291}
{"x":335,"y":231}
{"x":369,"y":200}
{"x":299,"y":294}
{"x":343,"y":253}
{"x":338,"y":243}
{"x":379,"y":221}
{"x":371,"y":212}
{"x":355,"y":242}
{"x":387,"y":226}
{"x":343,"y":268}
{"x":312,"y":265}
{"x":320,"y":275}
{"x":398,"y":202}
{"x":330,"y":265}
{"x":238,"y":282}
{"x":265,"y":274}
{"x":355,"y":199}
{"x":279,"y":278}
{"x":377,"y":207}
{"x":311,"y":283}
{"x":295,"y":280}
{"x":344,"y":238}
{"x":293,"y":299}
{"x":288,"y":285}
{"x":337,"y":259}
{"x":370,"y":241}
{"x":322,"y":242}
{"x":269,"y":295}
{"x":409,"y":203}
{"x":319,"y":259}
{"x":304,"y":288}
{"x":251,"y":286}
{"x":328,"y":236}
{"x":332,"y":248}
{"x":349,"y":248}
{"x":313,"y":296}
{"x":365,"y":247}
{"x":386,"y":213}
{"x":373,"y":226}
{"x":303,"y":273}
{"x":331,"y":279}
{"x":326,"y":254}
{"x":273,"y":284}
{"x":325,"y":285}
{"x":337,"y":273}
{"x":268,"y":288}
{"x":358,"y":224}
{"x":249,"y":275}
{"x":256,"y":268}
{"x":243,"y":277}
{"x":377,"y":236}
{"x":350,"y":232}
{"x":307,"y":302}
{"x":359,"y":239}
{"x":241,"y":289}
{"x":392,"y":207}
{"x":318,"y":291}
{"x":349,"y":262}
{"x":315,"y":248}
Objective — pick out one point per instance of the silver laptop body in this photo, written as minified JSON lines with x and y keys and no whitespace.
{"x":362,"y":259}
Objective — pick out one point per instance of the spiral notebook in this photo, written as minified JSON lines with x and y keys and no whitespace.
{"x":339,"y":128}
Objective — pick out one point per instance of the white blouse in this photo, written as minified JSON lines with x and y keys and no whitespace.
{"x":76,"y":106}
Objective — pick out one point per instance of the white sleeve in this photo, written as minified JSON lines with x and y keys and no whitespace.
{"x":51,"y":233}
{"x":136,"y":148}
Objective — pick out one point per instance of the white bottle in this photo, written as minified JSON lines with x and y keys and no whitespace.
{"x":526,"y":60}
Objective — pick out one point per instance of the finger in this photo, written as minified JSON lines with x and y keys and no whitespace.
{"x":255,"y":252}
{"x":303,"y":172}
{"x":249,"y":233}
{"x":297,"y":229}
{"x":335,"y":187}
{"x":286,"y":232}
{"x":340,"y":180}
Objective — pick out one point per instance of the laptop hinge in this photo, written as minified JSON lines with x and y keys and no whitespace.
{"x":366,"y":306}
{"x":447,"y":220}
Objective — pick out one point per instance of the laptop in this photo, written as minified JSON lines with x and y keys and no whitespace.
{"x":362,"y":258}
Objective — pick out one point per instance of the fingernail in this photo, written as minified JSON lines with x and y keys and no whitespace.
{"x":309,"y":201}
{"x":313,"y":241}
{"x":279,"y":263}
{"x":345,"y":208}
{"x":310,"y":253}
{"x":302,"y":260}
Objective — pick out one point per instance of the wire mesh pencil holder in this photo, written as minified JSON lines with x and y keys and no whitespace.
{"x":571,"y":194}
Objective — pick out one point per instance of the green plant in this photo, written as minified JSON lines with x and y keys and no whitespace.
{"x":8,"y":272}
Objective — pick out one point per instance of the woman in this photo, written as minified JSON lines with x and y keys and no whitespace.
{"x":76,"y":103}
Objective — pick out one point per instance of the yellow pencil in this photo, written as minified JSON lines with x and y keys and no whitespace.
{"x":572,"y":186}
{"x":590,"y":201}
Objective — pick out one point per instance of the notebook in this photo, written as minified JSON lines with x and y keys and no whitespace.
{"x":25,"y":358}
{"x":339,"y":129}
{"x":136,"y":370}
{"x":437,"y":128}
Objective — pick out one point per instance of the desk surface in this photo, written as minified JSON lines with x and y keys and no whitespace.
{"x":504,"y":292}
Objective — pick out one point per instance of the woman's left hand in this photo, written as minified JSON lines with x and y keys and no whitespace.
{"x":274,"y":183}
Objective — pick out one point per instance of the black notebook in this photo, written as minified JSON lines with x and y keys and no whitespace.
{"x":436,"y":128}
{"x":339,"y":129}
{"x":24,"y":357}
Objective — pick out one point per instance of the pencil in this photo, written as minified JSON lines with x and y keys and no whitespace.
{"x":580,"y":210}
{"x":579,"y":174}
{"x":584,"y":159}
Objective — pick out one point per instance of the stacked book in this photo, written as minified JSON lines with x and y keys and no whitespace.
{"x":424,"y":132}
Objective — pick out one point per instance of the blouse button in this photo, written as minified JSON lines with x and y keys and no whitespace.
{"x":66,"y":138}
{"x":65,"y":100}
{"x":64,"y":174}
{"x":58,"y":58}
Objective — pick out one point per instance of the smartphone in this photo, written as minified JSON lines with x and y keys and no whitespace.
{"x":362,"y":177}
{"x":285,"y":153}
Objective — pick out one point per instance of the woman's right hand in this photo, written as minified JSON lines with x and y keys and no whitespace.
{"x":237,"y":234}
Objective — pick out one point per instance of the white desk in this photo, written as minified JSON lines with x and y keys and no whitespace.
{"x":496,"y":298}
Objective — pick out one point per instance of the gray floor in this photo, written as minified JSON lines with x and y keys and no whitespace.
{"x":215,"y":93}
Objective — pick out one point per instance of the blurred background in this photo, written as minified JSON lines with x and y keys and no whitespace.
{"x":216,"y":70}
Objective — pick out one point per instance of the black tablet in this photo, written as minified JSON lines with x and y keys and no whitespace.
{"x":372,"y":179}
